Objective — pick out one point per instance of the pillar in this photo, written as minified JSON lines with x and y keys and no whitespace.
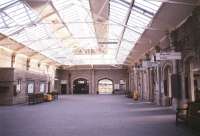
{"x":13,"y":60}
{"x":93,"y":91}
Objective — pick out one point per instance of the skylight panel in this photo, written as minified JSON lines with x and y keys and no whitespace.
{"x":79,"y":11}
{"x":146,"y":6}
{"x":141,"y":15}
{"x":126,"y":45}
{"x":131,"y":35}
{"x":9,"y":22}
{"x":4,"y":3}
{"x":19,"y":22}
{"x":19,"y":13}
{"x":118,"y":12}
{"x":2,"y":23}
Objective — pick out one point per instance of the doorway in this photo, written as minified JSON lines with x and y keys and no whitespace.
{"x":197,"y":86}
{"x":189,"y":79}
{"x":81,"y":86}
{"x":167,"y":85}
{"x":63,"y":88}
{"x":105,"y":86}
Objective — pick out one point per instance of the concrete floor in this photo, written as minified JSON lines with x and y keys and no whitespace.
{"x":84,"y":115}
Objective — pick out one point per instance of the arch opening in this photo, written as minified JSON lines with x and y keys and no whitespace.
{"x":192,"y":80}
{"x":189,"y":86}
{"x":105,"y":86}
{"x":80,"y":86}
{"x":167,"y":85}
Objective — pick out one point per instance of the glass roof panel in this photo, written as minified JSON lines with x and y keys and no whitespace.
{"x":81,"y":11}
{"x":142,"y":13}
{"x":20,"y":22}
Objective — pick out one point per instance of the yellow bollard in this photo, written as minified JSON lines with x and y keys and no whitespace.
{"x":135,"y":95}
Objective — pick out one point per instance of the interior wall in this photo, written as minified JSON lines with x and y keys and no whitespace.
{"x":93,"y":76}
{"x":13,"y":70}
{"x":113,"y":74}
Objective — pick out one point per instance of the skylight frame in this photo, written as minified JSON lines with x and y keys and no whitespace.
{"x":148,"y":16}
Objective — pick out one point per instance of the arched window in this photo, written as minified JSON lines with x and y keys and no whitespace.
{"x":105,"y":86}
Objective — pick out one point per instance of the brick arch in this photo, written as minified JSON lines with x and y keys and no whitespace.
{"x":80,"y":77}
{"x":98,"y":78}
{"x":97,"y":83}
{"x":105,"y":78}
{"x":166,"y":65}
{"x":188,"y":61}
{"x":189,"y":58}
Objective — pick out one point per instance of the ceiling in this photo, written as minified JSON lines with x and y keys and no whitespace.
{"x":89,"y":32}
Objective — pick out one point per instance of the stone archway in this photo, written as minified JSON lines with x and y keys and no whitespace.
{"x":80,"y":86}
{"x":105,"y":86}
{"x":167,"y":73}
{"x":189,"y":78}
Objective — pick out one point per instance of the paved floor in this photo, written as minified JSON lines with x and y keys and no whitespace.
{"x":84,"y":115}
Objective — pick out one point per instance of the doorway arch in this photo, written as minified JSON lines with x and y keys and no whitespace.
{"x":105,"y":86}
{"x":167,"y":73}
{"x":189,"y":78}
{"x":80,"y":86}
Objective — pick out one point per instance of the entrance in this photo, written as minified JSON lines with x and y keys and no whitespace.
{"x":192,"y":79}
{"x":105,"y":86}
{"x":63,"y":88}
{"x":80,"y":86}
{"x":167,"y":85}
{"x":189,"y":79}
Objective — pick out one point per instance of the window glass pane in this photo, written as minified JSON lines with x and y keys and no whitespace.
{"x":30,"y":87}
{"x":42,"y":87}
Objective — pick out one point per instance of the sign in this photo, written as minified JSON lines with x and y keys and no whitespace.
{"x":140,"y":69}
{"x":168,"y":56}
{"x":153,"y":58}
{"x":149,"y":64}
{"x":63,"y":82}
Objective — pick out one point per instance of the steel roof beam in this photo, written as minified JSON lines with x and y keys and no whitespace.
{"x":150,"y":13}
{"x":176,"y":2}
{"x":124,"y":28}
{"x":59,"y":16}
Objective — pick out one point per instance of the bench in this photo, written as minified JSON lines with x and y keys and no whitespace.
{"x":190,"y":115}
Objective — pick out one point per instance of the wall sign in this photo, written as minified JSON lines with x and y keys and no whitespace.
{"x":168,"y":56}
{"x":140,"y":69}
{"x":63,"y":81}
{"x":149,"y":64}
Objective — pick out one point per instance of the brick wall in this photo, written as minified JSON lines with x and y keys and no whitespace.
{"x":93,"y":76}
{"x":10,"y":76}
